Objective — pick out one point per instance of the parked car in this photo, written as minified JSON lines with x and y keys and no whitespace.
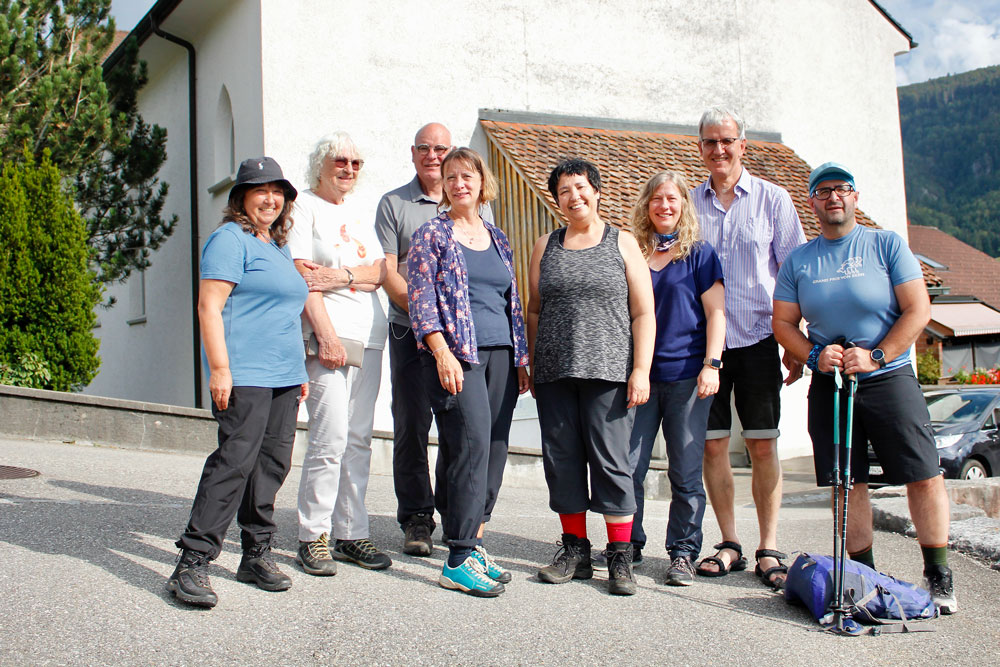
{"x":965,"y":419}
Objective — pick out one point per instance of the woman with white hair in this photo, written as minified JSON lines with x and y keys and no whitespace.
{"x":344,"y":328}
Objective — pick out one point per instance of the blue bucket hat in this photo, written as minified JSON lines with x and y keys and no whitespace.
{"x":827,"y":171}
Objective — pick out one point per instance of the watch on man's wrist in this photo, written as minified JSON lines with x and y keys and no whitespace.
{"x":878,"y":356}
{"x":713,"y":363}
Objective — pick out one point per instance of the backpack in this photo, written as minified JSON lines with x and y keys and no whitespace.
{"x":873,"y":598}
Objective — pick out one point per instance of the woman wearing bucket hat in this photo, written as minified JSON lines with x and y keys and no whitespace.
{"x":249,"y":304}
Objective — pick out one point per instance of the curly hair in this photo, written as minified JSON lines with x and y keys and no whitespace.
{"x":688,"y":233}
{"x":235,"y":212}
{"x":490,"y":188}
{"x":573,"y":166}
{"x":337,"y":144}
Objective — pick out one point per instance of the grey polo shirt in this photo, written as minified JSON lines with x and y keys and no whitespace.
{"x":400,"y":212}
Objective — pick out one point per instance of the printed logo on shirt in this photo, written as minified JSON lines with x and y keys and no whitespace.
{"x":851,"y":268}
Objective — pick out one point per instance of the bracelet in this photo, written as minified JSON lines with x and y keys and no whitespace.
{"x":812,"y":363}
{"x":435,"y":351}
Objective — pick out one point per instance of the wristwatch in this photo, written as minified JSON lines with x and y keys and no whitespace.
{"x":713,"y":363}
{"x":350,"y":277}
{"x":878,"y":356}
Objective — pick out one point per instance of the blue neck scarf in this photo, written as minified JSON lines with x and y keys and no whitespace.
{"x":665,"y":242}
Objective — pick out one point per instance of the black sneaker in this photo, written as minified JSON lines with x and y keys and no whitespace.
{"x":600,"y":561}
{"x":621,"y":581}
{"x":190,"y":582}
{"x":938,"y":580}
{"x":257,"y":567}
{"x":572,"y":561}
{"x":362,"y":552}
{"x":417,"y":535}
{"x":314,"y":557}
{"x":680,"y":572}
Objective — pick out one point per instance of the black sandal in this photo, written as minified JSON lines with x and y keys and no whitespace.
{"x":769,"y":575}
{"x":737,"y":565}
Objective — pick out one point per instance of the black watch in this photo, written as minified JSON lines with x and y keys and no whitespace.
{"x":878,"y":356}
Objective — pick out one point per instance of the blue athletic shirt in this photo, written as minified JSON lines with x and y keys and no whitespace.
{"x":845,"y":287}
{"x":262,"y":314}
{"x":679,"y":351}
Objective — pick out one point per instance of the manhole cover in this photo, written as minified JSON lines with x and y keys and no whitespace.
{"x":10,"y":472}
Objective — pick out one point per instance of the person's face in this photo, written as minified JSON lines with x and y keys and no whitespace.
{"x":577,"y":198}
{"x":836,"y":210}
{"x":340,"y":172}
{"x":432,"y":144}
{"x":463,"y":184}
{"x":665,"y":207}
{"x":263,"y":203}
{"x":722,"y":160}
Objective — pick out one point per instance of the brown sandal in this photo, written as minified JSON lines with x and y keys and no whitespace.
{"x":738,"y":564}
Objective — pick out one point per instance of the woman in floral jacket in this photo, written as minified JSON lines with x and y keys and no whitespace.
{"x":466,"y":315}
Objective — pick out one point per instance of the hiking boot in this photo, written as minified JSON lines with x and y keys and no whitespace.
{"x":572,"y":561}
{"x":600,"y":561}
{"x":621,"y":581}
{"x":680,"y":572}
{"x":190,"y":582}
{"x":361,"y":552}
{"x":470,"y":577}
{"x":257,"y":567}
{"x":937,"y":580}
{"x":314,"y":557}
{"x":417,"y":535}
{"x":493,"y":571}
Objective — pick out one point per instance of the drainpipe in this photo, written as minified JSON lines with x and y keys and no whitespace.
{"x":195,"y":242}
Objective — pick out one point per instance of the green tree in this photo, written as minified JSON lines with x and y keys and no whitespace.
{"x":47,"y":290}
{"x":55,"y":96}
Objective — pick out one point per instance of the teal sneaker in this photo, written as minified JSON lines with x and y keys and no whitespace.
{"x":493,"y":571}
{"x":470,"y":577}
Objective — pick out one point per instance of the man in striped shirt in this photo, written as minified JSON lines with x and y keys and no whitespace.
{"x":753,"y":226}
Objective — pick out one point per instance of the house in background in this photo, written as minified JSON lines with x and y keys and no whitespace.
{"x":964,"y":331}
{"x":231,"y":80}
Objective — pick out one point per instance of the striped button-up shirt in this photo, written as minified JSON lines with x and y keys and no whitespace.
{"x":752,"y":239}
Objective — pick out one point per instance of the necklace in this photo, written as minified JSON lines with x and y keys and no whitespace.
{"x":665,"y":242}
{"x":472,"y":237}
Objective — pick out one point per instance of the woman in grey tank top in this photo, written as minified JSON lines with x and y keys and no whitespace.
{"x":590,"y":337}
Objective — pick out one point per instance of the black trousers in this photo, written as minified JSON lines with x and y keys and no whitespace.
{"x":475,"y":429}
{"x":411,"y":420}
{"x":242,"y":476}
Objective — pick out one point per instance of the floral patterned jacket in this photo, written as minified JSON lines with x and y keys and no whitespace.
{"x":438,"y":290}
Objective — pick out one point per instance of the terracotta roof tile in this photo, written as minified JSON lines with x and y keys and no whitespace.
{"x":627,"y":159}
{"x":970,"y":272}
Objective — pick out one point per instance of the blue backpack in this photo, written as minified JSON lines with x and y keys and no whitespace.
{"x":875,"y":599}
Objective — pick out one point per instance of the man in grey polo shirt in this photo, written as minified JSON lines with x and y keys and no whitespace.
{"x":400,"y":213}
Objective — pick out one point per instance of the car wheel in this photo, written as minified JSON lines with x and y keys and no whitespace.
{"x":973,"y":469}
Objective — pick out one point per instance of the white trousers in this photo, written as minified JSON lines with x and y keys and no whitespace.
{"x":335,"y":471}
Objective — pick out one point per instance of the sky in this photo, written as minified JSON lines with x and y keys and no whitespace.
{"x":954,"y":36}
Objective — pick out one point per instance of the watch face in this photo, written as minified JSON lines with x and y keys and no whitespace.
{"x":878,"y":355}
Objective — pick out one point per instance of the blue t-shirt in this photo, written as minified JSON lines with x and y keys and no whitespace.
{"x":489,"y":288}
{"x":680,"y":346}
{"x":262,"y":314}
{"x":845,"y":287}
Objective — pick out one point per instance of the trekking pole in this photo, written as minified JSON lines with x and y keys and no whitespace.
{"x":852,"y":383}
{"x":837,"y":607}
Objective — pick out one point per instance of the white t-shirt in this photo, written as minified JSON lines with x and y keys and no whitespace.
{"x":339,"y":235}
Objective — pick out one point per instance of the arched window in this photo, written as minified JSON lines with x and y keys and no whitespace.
{"x":224,"y":134}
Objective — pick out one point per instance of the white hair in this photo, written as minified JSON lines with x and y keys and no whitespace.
{"x":337,"y":144}
{"x":719,"y":114}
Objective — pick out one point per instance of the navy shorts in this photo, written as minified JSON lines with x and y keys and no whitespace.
{"x":890,"y":412}
{"x":753,"y":374}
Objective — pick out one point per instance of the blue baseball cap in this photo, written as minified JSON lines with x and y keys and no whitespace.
{"x":827,"y":171}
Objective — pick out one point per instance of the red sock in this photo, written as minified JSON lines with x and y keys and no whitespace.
{"x":620,"y":532}
{"x":575,"y":524}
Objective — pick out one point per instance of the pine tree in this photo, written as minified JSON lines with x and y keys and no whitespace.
{"x":55,"y":96}
{"x":47,"y":290}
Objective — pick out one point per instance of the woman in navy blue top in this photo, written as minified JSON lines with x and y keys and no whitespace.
{"x":690,"y":333}
{"x":249,"y":303}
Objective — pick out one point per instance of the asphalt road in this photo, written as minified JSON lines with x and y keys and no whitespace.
{"x":87,"y":546}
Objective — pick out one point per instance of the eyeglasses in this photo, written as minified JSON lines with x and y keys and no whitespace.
{"x":342,"y":163}
{"x":824,"y":193}
{"x":424,"y":149}
{"x":710,"y":144}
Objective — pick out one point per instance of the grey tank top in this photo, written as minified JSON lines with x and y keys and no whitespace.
{"x":584,"y":324}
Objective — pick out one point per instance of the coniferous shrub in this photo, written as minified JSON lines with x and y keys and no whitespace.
{"x":47,"y":290}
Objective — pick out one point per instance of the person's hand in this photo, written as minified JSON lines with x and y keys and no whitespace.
{"x":449,"y":371}
{"x":304,"y":392}
{"x":323,"y":278}
{"x":708,"y":382}
{"x":523,"y":381}
{"x":638,"y":388}
{"x":832,"y":356}
{"x":220,"y":385}
{"x":794,"y":367}
{"x":859,"y":360}
{"x":331,"y":352}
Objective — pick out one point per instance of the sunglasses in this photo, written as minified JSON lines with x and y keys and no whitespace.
{"x":342,"y":163}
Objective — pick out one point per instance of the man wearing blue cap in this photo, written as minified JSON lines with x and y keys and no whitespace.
{"x":865,"y":286}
